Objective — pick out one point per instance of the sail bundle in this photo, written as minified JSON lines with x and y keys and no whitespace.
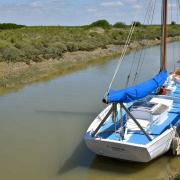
{"x":139,"y":91}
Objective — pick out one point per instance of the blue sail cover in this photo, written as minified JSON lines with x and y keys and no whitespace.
{"x":139,"y":91}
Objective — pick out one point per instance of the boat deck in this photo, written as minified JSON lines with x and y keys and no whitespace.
{"x":107,"y":131}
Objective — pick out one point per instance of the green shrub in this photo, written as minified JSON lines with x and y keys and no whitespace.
{"x":119,"y":25}
{"x":40,"y":43}
{"x":37,"y":44}
{"x":173,"y":23}
{"x":93,"y":34}
{"x":53,"y":51}
{"x":137,"y":23}
{"x":72,"y":46}
{"x":61,"y":46}
{"x":11,"y":54}
{"x":86,"y":46}
{"x":12,"y":40}
{"x":31,"y":53}
{"x":18,"y":45}
{"x":101,"y":23}
{"x":4,"y":44}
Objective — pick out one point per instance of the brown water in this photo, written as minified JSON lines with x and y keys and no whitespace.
{"x":42,"y":128}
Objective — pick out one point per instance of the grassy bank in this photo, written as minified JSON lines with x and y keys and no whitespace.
{"x":30,"y":54}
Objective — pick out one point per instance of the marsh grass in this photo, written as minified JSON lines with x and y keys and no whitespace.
{"x":42,"y":43}
{"x":33,"y":54}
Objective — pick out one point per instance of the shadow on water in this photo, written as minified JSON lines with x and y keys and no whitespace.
{"x":163,"y":166}
{"x":81,"y":157}
{"x":117,"y":166}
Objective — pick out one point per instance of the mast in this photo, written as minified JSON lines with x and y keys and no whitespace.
{"x":164,"y":34}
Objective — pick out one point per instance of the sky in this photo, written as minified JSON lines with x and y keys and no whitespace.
{"x":76,"y":12}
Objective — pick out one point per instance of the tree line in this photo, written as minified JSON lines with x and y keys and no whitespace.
{"x":10,"y":26}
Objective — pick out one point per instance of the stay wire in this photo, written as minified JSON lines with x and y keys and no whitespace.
{"x":143,"y":59}
{"x":122,"y":55}
{"x":148,"y":22}
{"x":142,"y":53}
{"x":148,"y":11}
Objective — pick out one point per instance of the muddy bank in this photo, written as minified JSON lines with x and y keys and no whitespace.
{"x":16,"y":75}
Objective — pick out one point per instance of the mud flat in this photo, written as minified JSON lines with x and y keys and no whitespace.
{"x":16,"y":75}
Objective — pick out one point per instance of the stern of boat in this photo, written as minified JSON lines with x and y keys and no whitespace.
{"x":118,"y":149}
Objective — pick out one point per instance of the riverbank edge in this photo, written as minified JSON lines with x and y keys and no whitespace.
{"x":14,"y":76}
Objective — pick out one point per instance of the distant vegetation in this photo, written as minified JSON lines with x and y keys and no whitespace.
{"x":101,"y":23}
{"x":173,"y":23}
{"x":25,"y":44}
{"x":10,"y":26}
{"x":119,"y":25}
{"x":137,"y":23}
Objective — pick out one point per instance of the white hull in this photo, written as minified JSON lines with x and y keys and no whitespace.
{"x":129,"y":151}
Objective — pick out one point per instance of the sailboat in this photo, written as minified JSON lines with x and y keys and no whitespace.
{"x":141,"y":122}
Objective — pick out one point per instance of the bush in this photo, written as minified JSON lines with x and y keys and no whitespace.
{"x":12,"y":40}
{"x":11,"y":54}
{"x":86,"y":46}
{"x":137,"y":23}
{"x":54,"y":51}
{"x":119,"y":25}
{"x":72,"y":46}
{"x":31,"y":53}
{"x":173,"y":23}
{"x":101,"y":23}
{"x":37,"y":44}
{"x":4,"y":44}
{"x":61,"y":46}
{"x":18,"y":45}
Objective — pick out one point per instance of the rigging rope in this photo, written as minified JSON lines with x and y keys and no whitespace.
{"x":148,"y":11}
{"x":149,"y":22}
{"x":130,"y":72}
{"x":123,"y":53}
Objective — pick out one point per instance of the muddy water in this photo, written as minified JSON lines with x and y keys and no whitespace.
{"x":42,"y":126}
